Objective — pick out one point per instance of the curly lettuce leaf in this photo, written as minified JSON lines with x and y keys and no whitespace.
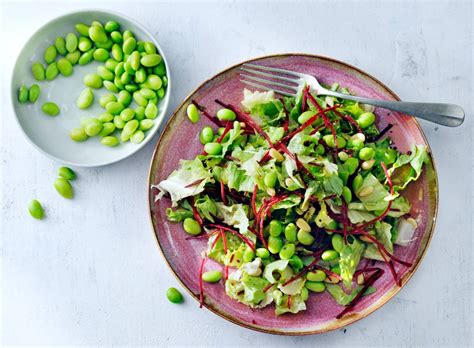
{"x":182,"y":182}
{"x":206,"y":207}
{"x":408,"y":168}
{"x":342,"y":297}
{"x":295,"y":305}
{"x":383,"y":233}
{"x":178,"y":215}
{"x":349,"y":260}
{"x":234,"y":215}
{"x":377,"y":199}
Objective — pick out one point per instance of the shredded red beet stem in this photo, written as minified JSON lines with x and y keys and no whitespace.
{"x":265,"y":210}
{"x":197,"y":217}
{"x":223,"y":193}
{"x":201,"y":285}
{"x":214,"y":243}
{"x":254,"y":200}
{"x":370,"y":280}
{"x":214,"y":120}
{"x":228,"y":127}
{"x":349,"y":119}
{"x":247,"y":119}
{"x":194,"y":183}
{"x":299,"y":165}
{"x":228,"y":229}
{"x":289,"y":301}
{"x":268,"y":287}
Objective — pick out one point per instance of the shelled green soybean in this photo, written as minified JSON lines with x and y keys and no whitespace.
{"x":133,"y":71}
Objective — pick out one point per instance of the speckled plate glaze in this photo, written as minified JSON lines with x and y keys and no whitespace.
{"x":180,"y":140}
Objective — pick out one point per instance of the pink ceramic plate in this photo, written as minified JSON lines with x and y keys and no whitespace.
{"x":180,"y":140}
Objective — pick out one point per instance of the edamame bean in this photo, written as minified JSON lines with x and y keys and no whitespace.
{"x":248,"y":255}
{"x":38,"y":71}
{"x":36,"y":209}
{"x":275,"y":244}
{"x":129,"y":128}
{"x":154,"y":82}
{"x":71,"y":42}
{"x":357,"y":183}
{"x":127,"y":114}
{"x":96,"y":24}
{"x":275,"y":228}
{"x":116,"y":37}
{"x":336,"y":269}
{"x":337,"y":242}
{"x":137,"y":137}
{"x":101,"y":54}
{"x":84,"y":44}
{"x":93,"y":81}
{"x":212,"y":276}
{"x":151,"y":111}
{"x":124,"y":98}
{"x":64,"y":67}
{"x":305,"y":116}
{"x":160,"y":93}
{"x":149,"y":47}
{"x":165,"y":81}
{"x":329,"y":255}
{"x":160,"y":69}
{"x":111,"y":64}
{"x":51,"y":71}
{"x":304,"y":294}
{"x":78,"y":134}
{"x":352,"y":165}
{"x":148,"y":93}
{"x":97,"y":34}
{"x":118,"y":122}
{"x":50,"y":54}
{"x":82,"y":29}
{"x":193,"y":113}
{"x":226,"y":115}
{"x":110,"y":86}
{"x":67,"y":173}
{"x":315,"y":286}
{"x":105,"y":73}
{"x":287,"y":251}
{"x":304,"y":237}
{"x":296,"y":263}
{"x":93,"y":127}
{"x":73,"y":57}
{"x":129,"y":45}
{"x":134,"y":60}
{"x":127,"y":34}
{"x":23,"y":94}
{"x":140,"y":113}
{"x":355,"y":144}
{"x":191,"y":226}
{"x":60,"y":45}
{"x":125,"y":78}
{"x":107,"y":129}
{"x":86,"y":57}
{"x":111,"y":26}
{"x":64,"y":188}
{"x":131,"y":87}
{"x":329,"y":139}
{"x":316,"y":276}
{"x":347,"y":194}
{"x":262,"y":253}
{"x":213,"y":148}
{"x":146,"y":124}
{"x":85,"y":99}
{"x":366,"y":120}
{"x":50,"y":109}
{"x":110,"y":141}
{"x":291,"y":232}
{"x":34,"y":93}
{"x":150,"y":60}
{"x":117,"y":52}
{"x":174,"y":296}
{"x":270,"y":179}
{"x":104,"y":100}
{"x":206,"y":135}
{"x":366,"y":153}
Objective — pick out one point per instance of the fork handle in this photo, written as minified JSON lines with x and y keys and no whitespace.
{"x":450,"y":115}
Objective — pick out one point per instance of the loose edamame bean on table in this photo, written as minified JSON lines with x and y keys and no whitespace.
{"x":174,"y":296}
{"x":64,"y":188}
{"x":67,"y":173}
{"x":36,"y":209}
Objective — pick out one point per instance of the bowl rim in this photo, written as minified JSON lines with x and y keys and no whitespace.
{"x":163,"y":106}
{"x":342,"y":323}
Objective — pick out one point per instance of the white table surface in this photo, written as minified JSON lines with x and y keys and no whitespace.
{"x":91,"y":273}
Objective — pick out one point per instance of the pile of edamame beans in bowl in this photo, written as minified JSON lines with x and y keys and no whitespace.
{"x":133,"y":72}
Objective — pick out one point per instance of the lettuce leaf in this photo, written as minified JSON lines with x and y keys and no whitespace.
{"x":178,"y":215}
{"x":383,"y":233}
{"x":349,"y":260}
{"x":296,"y":305}
{"x":408,"y":168}
{"x":235,"y":216}
{"x":375,"y":200}
{"x":180,"y":183}
{"x":343,"y":298}
{"x":206,"y":207}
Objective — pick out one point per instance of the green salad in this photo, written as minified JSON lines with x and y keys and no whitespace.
{"x":295,"y":196}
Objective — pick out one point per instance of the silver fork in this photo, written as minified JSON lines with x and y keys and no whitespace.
{"x":289,"y":84}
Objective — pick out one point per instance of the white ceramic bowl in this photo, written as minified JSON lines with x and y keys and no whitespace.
{"x":49,"y":134}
